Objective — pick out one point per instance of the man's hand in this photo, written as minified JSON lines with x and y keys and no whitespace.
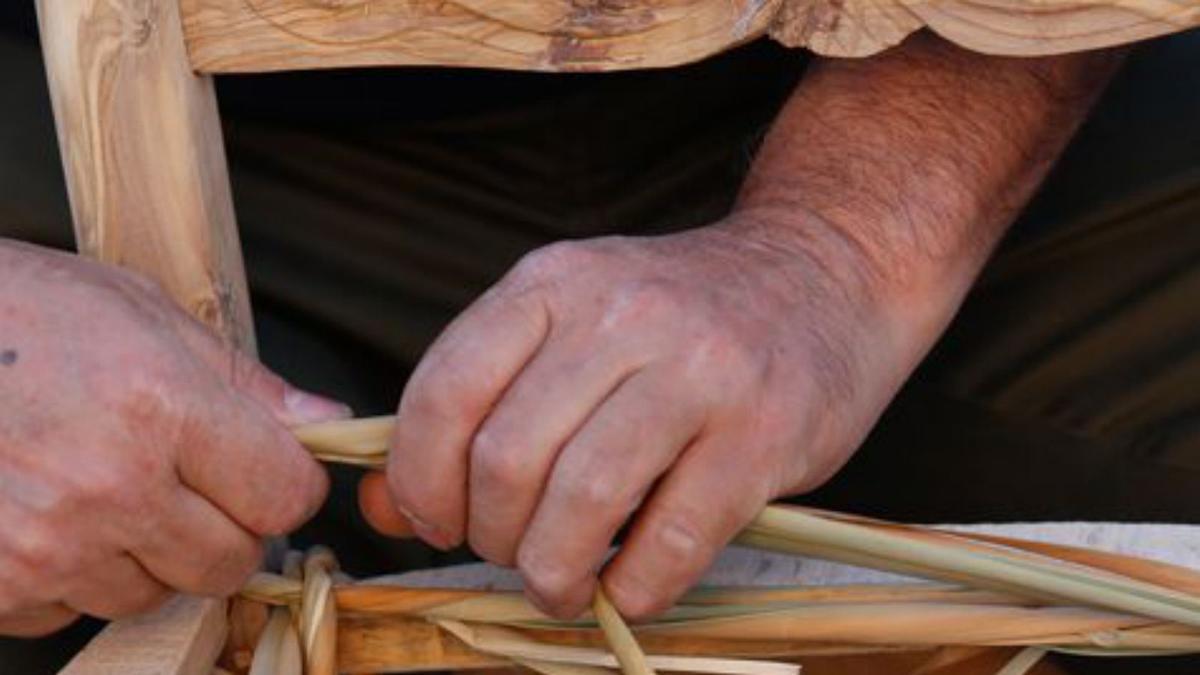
{"x":545,"y":415}
{"x":138,"y":454}
{"x":683,"y":381}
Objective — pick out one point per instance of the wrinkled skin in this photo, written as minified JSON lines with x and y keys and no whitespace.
{"x":138,"y":454}
{"x":680,"y":382}
{"x":677,"y":375}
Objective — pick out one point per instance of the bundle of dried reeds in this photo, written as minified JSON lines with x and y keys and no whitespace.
{"x":991,"y":592}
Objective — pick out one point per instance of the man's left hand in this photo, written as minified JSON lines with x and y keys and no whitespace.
{"x":684,"y":380}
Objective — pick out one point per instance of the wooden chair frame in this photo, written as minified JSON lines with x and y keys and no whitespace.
{"x":145,"y":166}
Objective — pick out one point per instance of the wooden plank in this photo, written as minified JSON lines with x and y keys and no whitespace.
{"x":145,"y":166}
{"x":261,"y":35}
{"x":181,"y":638}
{"x":568,"y":35}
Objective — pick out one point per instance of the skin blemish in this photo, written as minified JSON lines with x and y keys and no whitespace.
{"x":8,"y":357}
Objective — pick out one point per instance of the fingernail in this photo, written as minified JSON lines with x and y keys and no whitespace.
{"x":431,"y":534}
{"x":306,"y":408}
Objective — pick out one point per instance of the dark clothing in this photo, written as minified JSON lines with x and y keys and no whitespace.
{"x":375,"y":204}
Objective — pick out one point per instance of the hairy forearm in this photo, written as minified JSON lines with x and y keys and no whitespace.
{"x":914,"y":162}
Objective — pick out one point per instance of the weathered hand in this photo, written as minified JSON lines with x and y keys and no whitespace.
{"x":682,"y":380}
{"x":137,"y":453}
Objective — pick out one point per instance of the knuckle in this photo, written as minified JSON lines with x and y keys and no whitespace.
{"x":39,"y":553}
{"x":549,"y":578}
{"x":143,"y":399}
{"x":435,"y":392}
{"x":109,"y":486}
{"x":717,"y":348}
{"x":292,"y":505}
{"x":495,"y":463}
{"x":637,"y":302}
{"x":634,"y":599}
{"x":723,"y":364}
{"x":680,"y":536}
{"x":595,"y":491}
{"x":551,"y":262}
{"x":227,"y":570}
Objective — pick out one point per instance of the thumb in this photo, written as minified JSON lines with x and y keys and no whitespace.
{"x":289,"y":405}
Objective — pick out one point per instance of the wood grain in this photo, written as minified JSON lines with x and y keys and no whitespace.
{"x":182,"y":638}
{"x":145,"y":167}
{"x":583,"y":35}
{"x":388,"y":644}
{"x":143,"y":155}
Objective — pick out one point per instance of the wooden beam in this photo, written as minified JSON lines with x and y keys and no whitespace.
{"x":258,"y":35}
{"x":145,"y":166}
{"x":573,"y":35}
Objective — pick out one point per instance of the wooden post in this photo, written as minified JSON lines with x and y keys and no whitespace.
{"x":145,"y":163}
{"x":145,"y":166}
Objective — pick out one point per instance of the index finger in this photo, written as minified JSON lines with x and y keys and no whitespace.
{"x":250,"y":466}
{"x":451,"y":392}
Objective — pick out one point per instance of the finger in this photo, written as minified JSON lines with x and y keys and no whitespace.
{"x":116,"y":588}
{"x":598,"y":480}
{"x":377,"y":507}
{"x":706,"y":498}
{"x":251,"y":467}
{"x":190,"y":545}
{"x":514,"y":450}
{"x":38,"y":622}
{"x":289,"y":405}
{"x":456,"y":384}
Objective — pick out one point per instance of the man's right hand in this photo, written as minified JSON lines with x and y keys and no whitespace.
{"x":138,"y":453}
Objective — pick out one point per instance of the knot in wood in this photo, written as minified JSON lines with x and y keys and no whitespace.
{"x":139,"y":20}
{"x":798,"y":20}
{"x":142,"y":32}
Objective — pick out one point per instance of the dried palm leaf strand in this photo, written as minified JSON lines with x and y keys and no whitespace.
{"x":370,"y":597}
{"x":514,"y":644}
{"x":624,"y":647}
{"x":827,"y":618}
{"x":278,"y":650}
{"x":359,"y":442}
{"x":789,"y":530}
{"x":318,"y":615}
{"x":1023,"y":661}
{"x":1150,"y":575}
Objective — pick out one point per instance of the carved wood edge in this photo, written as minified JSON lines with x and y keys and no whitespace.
{"x":181,"y":638}
{"x":598,"y":35}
